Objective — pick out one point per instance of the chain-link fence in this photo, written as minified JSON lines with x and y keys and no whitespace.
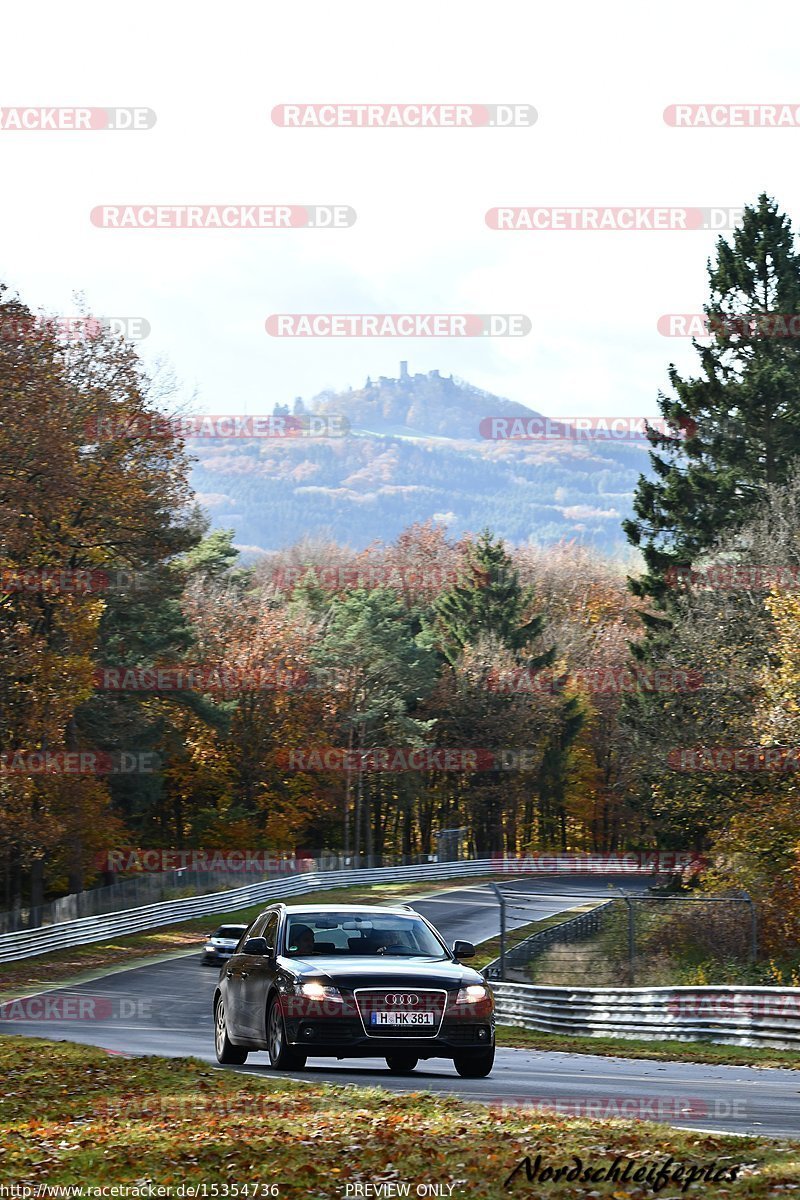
{"x":637,"y":941}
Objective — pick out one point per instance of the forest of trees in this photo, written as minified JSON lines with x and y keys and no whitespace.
{"x":601,"y":711}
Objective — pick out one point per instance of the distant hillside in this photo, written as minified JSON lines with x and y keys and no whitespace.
{"x":414,"y":452}
{"x":441,"y":406}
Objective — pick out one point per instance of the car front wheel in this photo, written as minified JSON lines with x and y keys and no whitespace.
{"x":281,"y":1056}
{"x":474,"y":1064}
{"x":227,"y":1053}
{"x":401,"y":1064}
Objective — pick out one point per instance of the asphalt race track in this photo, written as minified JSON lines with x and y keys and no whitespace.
{"x":165,"y":1008}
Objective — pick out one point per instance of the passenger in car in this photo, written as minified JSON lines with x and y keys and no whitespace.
{"x":301,"y":940}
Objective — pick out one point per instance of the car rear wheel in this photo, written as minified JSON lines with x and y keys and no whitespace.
{"x":401,"y":1064}
{"x":281,"y":1056}
{"x":474,"y":1064}
{"x":227,"y":1053}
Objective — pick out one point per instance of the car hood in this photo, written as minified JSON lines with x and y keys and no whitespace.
{"x":359,"y":971}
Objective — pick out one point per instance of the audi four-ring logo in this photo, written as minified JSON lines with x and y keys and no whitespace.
{"x":402,"y":998}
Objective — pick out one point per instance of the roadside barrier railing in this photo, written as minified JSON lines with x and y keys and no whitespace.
{"x":26,"y":943}
{"x":738,"y":1016}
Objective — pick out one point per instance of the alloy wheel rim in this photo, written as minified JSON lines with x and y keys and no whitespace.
{"x":275,"y":1032}
{"x":220,"y":1027}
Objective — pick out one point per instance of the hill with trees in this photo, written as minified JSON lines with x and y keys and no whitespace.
{"x":414,"y":452}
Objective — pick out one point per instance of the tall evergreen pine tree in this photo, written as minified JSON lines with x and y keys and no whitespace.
{"x":489,"y":601}
{"x":737,"y":424}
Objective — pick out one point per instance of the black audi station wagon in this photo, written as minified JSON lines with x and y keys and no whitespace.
{"x":345,"y":981}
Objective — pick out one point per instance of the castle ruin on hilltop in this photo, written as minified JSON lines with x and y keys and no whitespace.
{"x":405,"y":377}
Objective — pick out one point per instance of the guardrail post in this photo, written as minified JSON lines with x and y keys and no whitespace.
{"x":631,"y":938}
{"x":501,"y":900}
{"x":753,"y":930}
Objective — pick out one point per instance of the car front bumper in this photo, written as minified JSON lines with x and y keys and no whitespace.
{"x":345,"y":1038}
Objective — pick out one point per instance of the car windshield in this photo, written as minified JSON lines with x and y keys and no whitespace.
{"x":231,"y":933}
{"x":363,"y":934}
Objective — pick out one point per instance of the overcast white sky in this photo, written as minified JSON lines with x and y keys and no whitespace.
{"x":600,"y":77}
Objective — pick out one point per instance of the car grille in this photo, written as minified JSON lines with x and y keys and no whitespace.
{"x":376,"y":1000}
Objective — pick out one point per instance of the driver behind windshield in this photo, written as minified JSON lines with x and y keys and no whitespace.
{"x":348,"y":934}
{"x":301,"y":940}
{"x":387,"y":941}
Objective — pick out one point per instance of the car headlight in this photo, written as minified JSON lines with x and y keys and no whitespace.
{"x":317,"y":991}
{"x":473,"y":994}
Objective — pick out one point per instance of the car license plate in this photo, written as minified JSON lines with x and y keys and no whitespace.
{"x":402,"y":1018}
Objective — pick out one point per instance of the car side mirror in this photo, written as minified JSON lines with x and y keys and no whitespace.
{"x":463,"y":950}
{"x":257,"y":945}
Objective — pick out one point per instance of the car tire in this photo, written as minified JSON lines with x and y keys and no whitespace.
{"x":281,"y":1055}
{"x":401,"y":1064}
{"x":227,"y":1053}
{"x":472,"y":1064}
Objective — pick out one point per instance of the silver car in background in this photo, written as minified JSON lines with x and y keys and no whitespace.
{"x":221,"y":944}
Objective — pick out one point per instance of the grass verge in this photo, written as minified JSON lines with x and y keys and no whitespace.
{"x":664,"y":1051}
{"x":73,"y":1115}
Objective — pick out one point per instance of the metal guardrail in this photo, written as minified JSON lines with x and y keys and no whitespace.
{"x":139,"y":890}
{"x":30,"y":942}
{"x":739,"y":1016}
{"x":565,"y":931}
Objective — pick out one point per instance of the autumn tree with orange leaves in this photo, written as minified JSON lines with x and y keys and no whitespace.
{"x":89,"y":483}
